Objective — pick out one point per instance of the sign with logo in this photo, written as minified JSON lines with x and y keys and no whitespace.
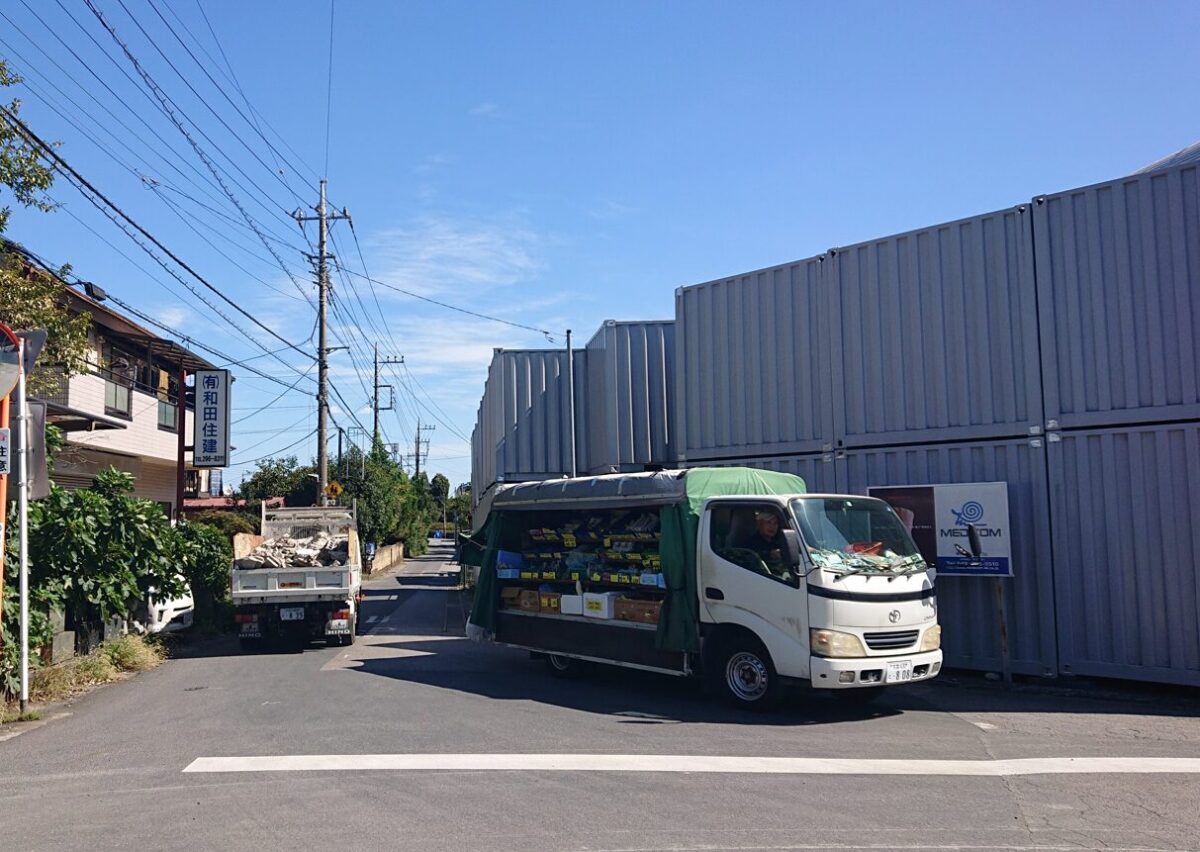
{"x":5,"y":453}
{"x":938,"y":517}
{"x":333,"y":490}
{"x":210,"y":423}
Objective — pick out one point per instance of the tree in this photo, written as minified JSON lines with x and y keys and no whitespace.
{"x":30,"y":297}
{"x":380,"y":487}
{"x":271,"y":478}
{"x":281,"y":477}
{"x":21,"y":168}
{"x":440,"y":489}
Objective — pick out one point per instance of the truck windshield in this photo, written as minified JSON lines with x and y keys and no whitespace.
{"x":857,"y":535}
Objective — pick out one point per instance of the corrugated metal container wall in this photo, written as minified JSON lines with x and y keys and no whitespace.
{"x":817,"y":471}
{"x":936,"y":333}
{"x":631,"y":396}
{"x":1127,"y":551}
{"x":753,"y":368}
{"x":1118,"y":268}
{"x":966,"y":608}
{"x":526,"y":414}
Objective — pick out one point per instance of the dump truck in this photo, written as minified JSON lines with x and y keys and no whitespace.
{"x":734,"y":574}
{"x":300,"y":579}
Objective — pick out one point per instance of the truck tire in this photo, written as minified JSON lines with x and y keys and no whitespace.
{"x":249,"y":646}
{"x":743,"y":674}
{"x":566,"y":668}
{"x":347,"y":640}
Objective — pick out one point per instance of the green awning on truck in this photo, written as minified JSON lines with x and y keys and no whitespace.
{"x":679,"y":497}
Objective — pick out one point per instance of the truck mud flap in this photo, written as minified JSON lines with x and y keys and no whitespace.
{"x":595,"y":639}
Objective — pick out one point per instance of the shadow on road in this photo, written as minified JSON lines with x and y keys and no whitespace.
{"x":643,"y":698}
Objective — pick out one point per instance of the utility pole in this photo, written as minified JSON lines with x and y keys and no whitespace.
{"x":417,"y":446}
{"x":323,"y":218}
{"x":375,"y":402}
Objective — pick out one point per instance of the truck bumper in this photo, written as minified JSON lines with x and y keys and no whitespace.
{"x":860,"y":672}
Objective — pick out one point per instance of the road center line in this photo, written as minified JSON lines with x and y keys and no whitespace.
{"x":695,"y":763}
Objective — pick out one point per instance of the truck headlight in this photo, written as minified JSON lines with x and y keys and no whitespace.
{"x":832,"y":643}
{"x":932,"y":640}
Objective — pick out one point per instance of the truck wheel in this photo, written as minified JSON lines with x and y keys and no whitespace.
{"x":347,"y":640}
{"x":744,"y":675}
{"x":249,"y":646}
{"x":566,"y":668}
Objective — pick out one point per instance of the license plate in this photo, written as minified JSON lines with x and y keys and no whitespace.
{"x":899,"y":672}
{"x":295,"y":613}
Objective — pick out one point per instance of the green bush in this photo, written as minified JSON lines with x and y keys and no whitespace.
{"x":229,"y":523}
{"x":207,"y":557}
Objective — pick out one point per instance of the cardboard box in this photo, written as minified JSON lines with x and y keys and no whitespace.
{"x":529,"y":600}
{"x":570,"y":604}
{"x":509,"y":596}
{"x":549,"y":601}
{"x":644,"y":612}
{"x":600,"y":604}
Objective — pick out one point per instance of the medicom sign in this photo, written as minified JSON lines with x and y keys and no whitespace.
{"x":938,"y":516}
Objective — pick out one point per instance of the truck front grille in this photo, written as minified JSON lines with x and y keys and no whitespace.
{"x":892,"y":641}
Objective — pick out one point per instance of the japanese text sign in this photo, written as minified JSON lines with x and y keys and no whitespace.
{"x":210,"y":424}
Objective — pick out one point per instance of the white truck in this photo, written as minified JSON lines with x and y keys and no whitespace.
{"x":733,"y":573}
{"x":301,"y":579}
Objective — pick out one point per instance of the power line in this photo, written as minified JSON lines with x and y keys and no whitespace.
{"x":165,"y":144}
{"x":63,"y":167}
{"x":232,"y":77}
{"x":231,"y":361}
{"x":548,"y":335}
{"x":275,"y":452}
{"x":329,"y":88}
{"x":200,"y":97}
{"x":169,"y":107}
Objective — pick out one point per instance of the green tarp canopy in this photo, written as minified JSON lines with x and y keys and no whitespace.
{"x":505,"y":513}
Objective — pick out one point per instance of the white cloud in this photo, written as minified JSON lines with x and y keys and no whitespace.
{"x":173,"y":315}
{"x":439,"y":254}
{"x":485,"y":109}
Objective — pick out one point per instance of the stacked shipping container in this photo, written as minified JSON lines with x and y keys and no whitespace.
{"x":1054,"y":346}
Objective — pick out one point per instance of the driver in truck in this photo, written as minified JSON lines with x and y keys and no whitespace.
{"x":767,"y":541}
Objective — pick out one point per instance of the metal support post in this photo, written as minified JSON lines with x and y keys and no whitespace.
{"x":571,"y":400}
{"x":23,"y":520}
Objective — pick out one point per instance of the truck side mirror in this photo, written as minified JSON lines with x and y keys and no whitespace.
{"x":973,"y":540}
{"x":793,"y":547}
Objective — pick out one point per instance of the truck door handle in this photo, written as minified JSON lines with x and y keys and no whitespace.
{"x":714,"y":594}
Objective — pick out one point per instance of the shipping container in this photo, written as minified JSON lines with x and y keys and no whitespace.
{"x":966,"y":605}
{"x":631,"y":396}
{"x":935,"y":334}
{"x":754,"y":375}
{"x":1118,"y":272}
{"x":524,"y":417}
{"x":1127,"y":551}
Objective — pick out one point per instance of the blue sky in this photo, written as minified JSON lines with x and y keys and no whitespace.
{"x":560,"y":163}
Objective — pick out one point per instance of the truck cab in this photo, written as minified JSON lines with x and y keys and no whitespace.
{"x":824,"y":589}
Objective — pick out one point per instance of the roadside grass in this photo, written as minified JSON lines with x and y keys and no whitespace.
{"x":105,"y":664}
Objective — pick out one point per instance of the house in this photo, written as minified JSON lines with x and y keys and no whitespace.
{"x":122,"y":410}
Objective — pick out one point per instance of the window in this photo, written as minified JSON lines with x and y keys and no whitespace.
{"x":167,"y":388}
{"x":752,"y":535}
{"x":117,"y":369}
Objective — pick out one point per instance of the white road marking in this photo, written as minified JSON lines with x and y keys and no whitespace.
{"x":696,"y":763}
{"x":372,"y":619}
{"x":984,"y":726}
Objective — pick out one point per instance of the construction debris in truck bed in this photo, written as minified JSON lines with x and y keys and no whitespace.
{"x":315,"y":551}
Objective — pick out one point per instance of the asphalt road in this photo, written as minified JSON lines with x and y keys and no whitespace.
{"x":110,"y":774}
